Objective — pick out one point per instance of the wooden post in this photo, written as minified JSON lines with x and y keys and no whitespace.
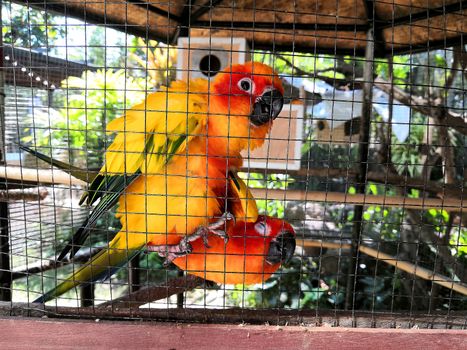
{"x":133,"y":274}
{"x":180,"y":296}
{"x":5,"y":273}
{"x":87,"y":295}
{"x":364,"y":140}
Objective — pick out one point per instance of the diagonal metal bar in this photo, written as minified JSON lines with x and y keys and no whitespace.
{"x":285,"y":26}
{"x":424,"y":14}
{"x":206,"y":7}
{"x":147,"y":5}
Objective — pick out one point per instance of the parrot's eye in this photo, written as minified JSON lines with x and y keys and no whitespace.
{"x":247,"y":85}
{"x":262,"y":228}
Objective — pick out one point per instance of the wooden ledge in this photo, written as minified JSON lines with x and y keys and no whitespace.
{"x":20,"y":333}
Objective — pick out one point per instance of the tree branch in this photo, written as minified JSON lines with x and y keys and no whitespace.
{"x":153,"y":293}
{"x":30,"y":195}
{"x":23,"y":271}
{"x":336,"y":82}
{"x":429,"y":107}
{"x":428,"y":236}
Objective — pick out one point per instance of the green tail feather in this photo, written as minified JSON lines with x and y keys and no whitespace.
{"x":84,"y":175}
{"x":101,"y":266}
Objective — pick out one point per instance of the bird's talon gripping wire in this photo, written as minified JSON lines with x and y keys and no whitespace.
{"x":218,"y":227}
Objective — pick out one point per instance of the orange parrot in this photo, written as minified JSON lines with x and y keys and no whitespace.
{"x":254,"y":251}
{"x":168,"y":166}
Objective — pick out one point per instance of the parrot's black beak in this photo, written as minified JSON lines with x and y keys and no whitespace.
{"x":281,"y":248}
{"x":267,"y":107}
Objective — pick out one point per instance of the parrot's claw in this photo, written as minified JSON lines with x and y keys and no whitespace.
{"x":221,"y":221}
{"x":202,"y":232}
{"x":221,"y":234}
{"x":171,"y":252}
{"x":218,"y":227}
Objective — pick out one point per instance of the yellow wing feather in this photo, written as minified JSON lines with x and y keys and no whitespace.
{"x":150,"y":133}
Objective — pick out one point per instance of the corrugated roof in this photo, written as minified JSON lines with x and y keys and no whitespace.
{"x":302,"y":25}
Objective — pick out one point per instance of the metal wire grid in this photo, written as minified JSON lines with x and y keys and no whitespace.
{"x":330,"y":270}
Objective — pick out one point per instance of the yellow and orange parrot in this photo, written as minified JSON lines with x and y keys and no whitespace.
{"x":169,"y":164}
{"x":254,"y":251}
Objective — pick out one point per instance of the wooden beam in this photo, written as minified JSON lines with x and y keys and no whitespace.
{"x":312,"y":27}
{"x":20,"y":333}
{"x":49,"y":68}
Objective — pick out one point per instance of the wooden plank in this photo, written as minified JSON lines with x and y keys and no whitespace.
{"x":18,"y":333}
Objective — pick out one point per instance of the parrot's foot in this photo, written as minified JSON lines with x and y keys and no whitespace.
{"x":172,"y":252}
{"x":218,"y":227}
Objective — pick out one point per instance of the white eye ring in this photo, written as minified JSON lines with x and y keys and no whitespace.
{"x":247,"y":85}
{"x":262,"y":228}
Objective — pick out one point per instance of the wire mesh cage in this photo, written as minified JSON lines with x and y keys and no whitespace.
{"x":150,"y":170}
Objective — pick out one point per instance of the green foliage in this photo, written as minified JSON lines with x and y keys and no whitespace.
{"x":270,"y":181}
{"x":92,"y":100}
{"x":406,"y":155}
{"x":24,"y":27}
{"x":294,"y":286}
{"x":459,"y":243}
{"x":401,"y":67}
{"x":97,"y":51}
{"x":156,"y":59}
{"x":309,"y":63}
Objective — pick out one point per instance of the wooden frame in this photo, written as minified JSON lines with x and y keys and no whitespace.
{"x":20,"y":333}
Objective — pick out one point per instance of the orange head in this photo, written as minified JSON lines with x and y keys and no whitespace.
{"x":244,"y":100}
{"x":255,"y":250}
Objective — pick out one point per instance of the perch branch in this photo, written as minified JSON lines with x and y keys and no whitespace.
{"x":45,"y":176}
{"x":383,"y":177}
{"x":448,"y":204}
{"x":54,"y":176}
{"x":23,"y":195}
{"x":153,"y":293}
{"x":393,"y":261}
{"x":49,"y":176}
{"x":30,"y":269}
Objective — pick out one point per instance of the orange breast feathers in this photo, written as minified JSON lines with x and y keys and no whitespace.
{"x":244,"y":100}
{"x":255,"y":250}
